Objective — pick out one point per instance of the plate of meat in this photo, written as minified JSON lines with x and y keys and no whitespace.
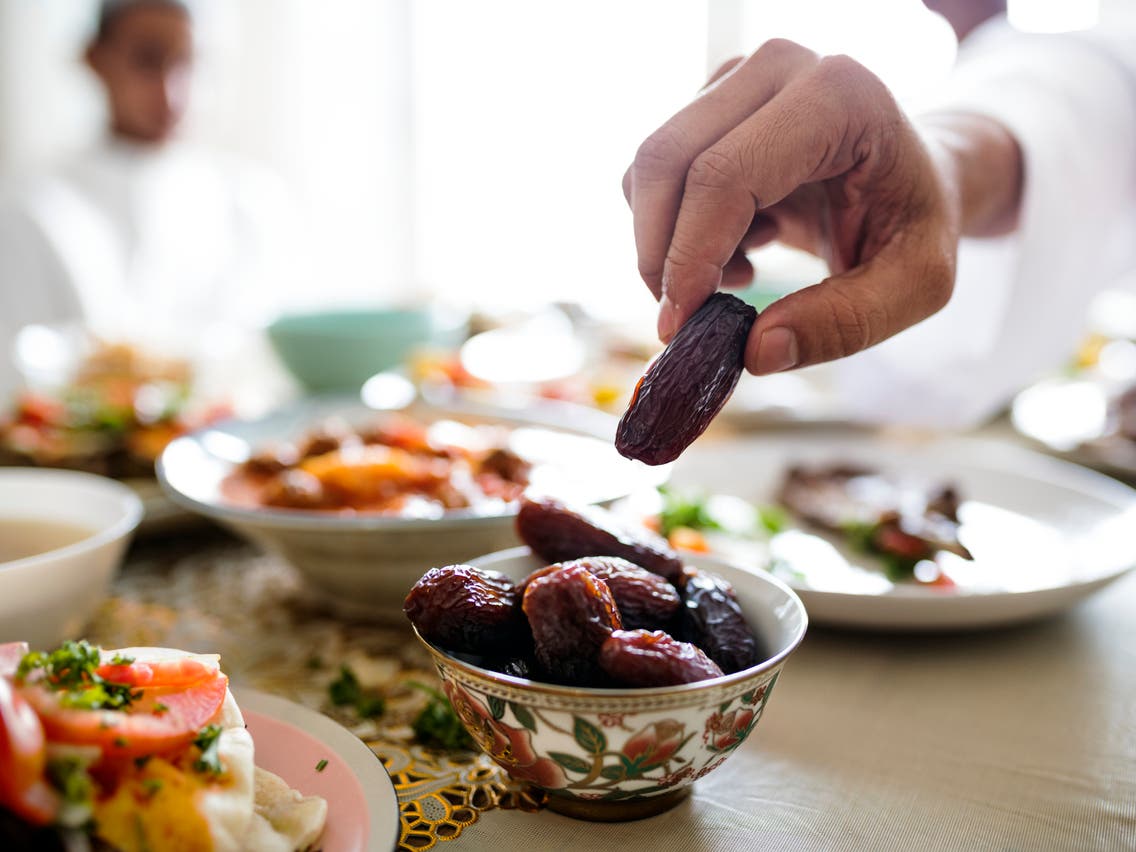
{"x":909,"y":534}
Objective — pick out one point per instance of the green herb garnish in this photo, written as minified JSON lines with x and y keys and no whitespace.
{"x":160,"y":708}
{"x":321,"y":766}
{"x":681,"y":510}
{"x":69,"y":776}
{"x":346,"y":690}
{"x":70,"y":670}
{"x":207,"y":741}
{"x":437,"y":724}
{"x":121,"y":660}
{"x":860,"y":535}
{"x":772,"y":518}
{"x":151,"y":785}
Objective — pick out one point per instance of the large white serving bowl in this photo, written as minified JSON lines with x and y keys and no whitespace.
{"x":50,"y":596}
{"x":365,"y":564}
{"x":620,"y":754}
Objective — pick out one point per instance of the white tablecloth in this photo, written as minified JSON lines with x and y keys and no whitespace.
{"x":1017,"y":739}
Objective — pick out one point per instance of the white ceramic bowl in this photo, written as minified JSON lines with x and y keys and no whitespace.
{"x":365,"y":564}
{"x":50,"y":596}
{"x":618,"y":754}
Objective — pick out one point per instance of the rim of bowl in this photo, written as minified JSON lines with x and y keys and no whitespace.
{"x":127,"y":523}
{"x":293,"y":323}
{"x":562,"y":690}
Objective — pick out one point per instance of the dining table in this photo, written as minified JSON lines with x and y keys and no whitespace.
{"x":1016,"y":738}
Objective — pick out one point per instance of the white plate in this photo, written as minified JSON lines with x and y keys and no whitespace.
{"x":1044,"y":533}
{"x":1071,"y":417}
{"x":292,"y":741}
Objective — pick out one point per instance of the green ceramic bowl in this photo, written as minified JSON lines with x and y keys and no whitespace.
{"x":340,"y":350}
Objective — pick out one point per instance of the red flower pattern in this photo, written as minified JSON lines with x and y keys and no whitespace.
{"x":655,"y":744}
{"x":511,"y":747}
{"x":726,"y":730}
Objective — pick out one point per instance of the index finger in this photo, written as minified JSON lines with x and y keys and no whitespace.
{"x":654,"y":183}
{"x":804,"y":134}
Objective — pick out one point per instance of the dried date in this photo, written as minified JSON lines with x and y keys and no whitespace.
{"x":687,"y":385}
{"x":467,"y":609}
{"x":558,"y":533}
{"x":571,"y":613}
{"x":644,"y":600}
{"x":712,"y":619}
{"x":642,"y":658}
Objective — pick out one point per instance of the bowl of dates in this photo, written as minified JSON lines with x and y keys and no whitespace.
{"x":608,"y":685}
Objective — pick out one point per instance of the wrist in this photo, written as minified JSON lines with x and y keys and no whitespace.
{"x":980,"y":165}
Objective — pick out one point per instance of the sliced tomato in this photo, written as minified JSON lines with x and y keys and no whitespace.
{"x":10,"y":655}
{"x":23,"y":789}
{"x":185,"y":671}
{"x":163,"y":720}
{"x":40,"y":410}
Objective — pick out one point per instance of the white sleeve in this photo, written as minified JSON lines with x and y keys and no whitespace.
{"x":1020,"y":302}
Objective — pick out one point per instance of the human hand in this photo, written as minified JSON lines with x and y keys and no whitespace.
{"x":813,"y":152}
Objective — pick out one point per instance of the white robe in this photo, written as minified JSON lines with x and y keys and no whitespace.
{"x":165,"y":247}
{"x":1020,"y":302}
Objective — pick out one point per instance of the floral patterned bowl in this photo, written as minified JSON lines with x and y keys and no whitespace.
{"x":620,"y":754}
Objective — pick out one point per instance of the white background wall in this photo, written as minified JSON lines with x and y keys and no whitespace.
{"x":470,"y":150}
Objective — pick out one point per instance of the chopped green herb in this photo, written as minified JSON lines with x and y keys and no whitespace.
{"x":207,"y":741}
{"x":860,"y":535}
{"x":321,"y":766}
{"x":121,"y":660}
{"x":120,"y":742}
{"x":346,"y":690}
{"x":684,"y":510}
{"x":141,"y":762}
{"x":70,"y":670}
{"x":772,"y":518}
{"x":437,"y":724}
{"x":151,"y":785}
{"x":160,"y":708}
{"x":69,"y":776}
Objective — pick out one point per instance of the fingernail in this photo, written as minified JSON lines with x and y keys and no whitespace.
{"x":668,"y":319}
{"x":776,"y":351}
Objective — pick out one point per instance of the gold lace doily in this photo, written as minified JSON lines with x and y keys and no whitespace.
{"x":224,"y":597}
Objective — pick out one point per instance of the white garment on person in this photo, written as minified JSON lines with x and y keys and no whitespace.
{"x":161,"y":246}
{"x":1020,"y":302}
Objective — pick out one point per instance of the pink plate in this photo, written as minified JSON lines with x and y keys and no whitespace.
{"x":291,"y":741}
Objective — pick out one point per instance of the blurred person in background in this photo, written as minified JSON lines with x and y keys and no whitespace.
{"x":973,"y":235}
{"x":143,"y":237}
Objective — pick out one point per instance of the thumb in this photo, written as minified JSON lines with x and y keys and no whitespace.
{"x":847,"y":313}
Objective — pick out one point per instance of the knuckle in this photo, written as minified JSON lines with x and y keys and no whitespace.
{"x":664,"y":153}
{"x":839,"y":66}
{"x":681,"y":255}
{"x":846,"y":78}
{"x":857,"y":325}
{"x":782,"y":50}
{"x":716,"y":168}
